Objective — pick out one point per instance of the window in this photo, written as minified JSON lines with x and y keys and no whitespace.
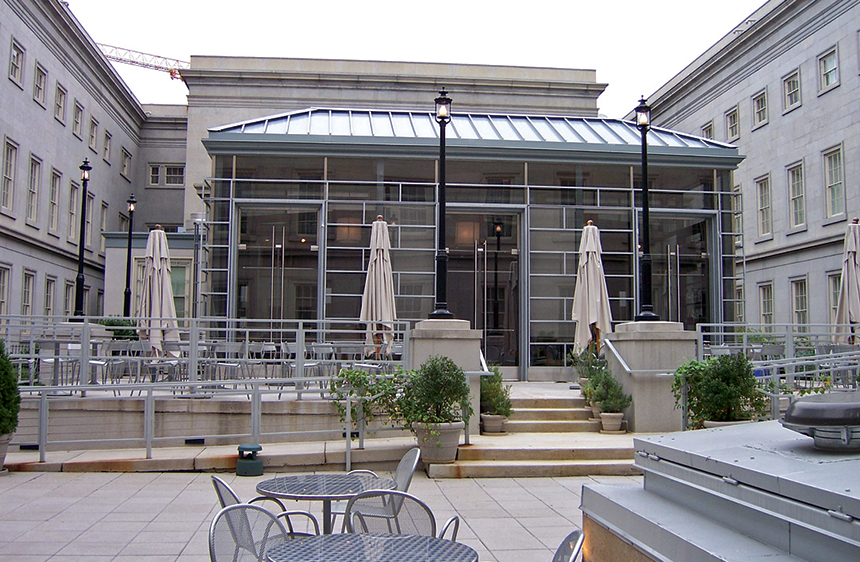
{"x":10,"y":164}
{"x":94,"y":133}
{"x":103,"y":226}
{"x":737,"y":214}
{"x":69,"y":298}
{"x":180,"y":278}
{"x":125,"y":164}
{"x":73,"y":211}
{"x":40,"y":83}
{"x":732,"y":128}
{"x":828,"y":70}
{"x":33,"y":189}
{"x":799,"y":306}
{"x":306,"y":301}
{"x":88,"y":227}
{"x":762,"y":188}
{"x":78,"y":120}
{"x":54,"y":202}
{"x":797,"y":204}
{"x":16,"y":64}
{"x":154,"y":175}
{"x":60,"y":104}
{"x":739,"y":304}
{"x":124,"y":223}
{"x":833,"y":190}
{"x":759,"y":107}
{"x":765,"y":295}
{"x":5,"y":272}
{"x":708,"y":130}
{"x":106,"y":148}
{"x":50,"y":292}
{"x":27,"y":293}
{"x":174,"y":175}
{"x":834,"y":285}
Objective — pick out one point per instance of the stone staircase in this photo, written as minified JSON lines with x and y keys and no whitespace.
{"x":546,"y":437}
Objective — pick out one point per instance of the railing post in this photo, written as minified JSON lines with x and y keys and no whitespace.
{"x":43,"y":424}
{"x":148,"y":421}
{"x":87,"y":372}
{"x":256,"y":413}
{"x":300,"y":350}
{"x":348,"y":434}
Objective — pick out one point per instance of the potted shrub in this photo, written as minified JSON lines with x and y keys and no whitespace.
{"x":612,"y":402}
{"x":720,"y":389}
{"x":495,"y":402}
{"x":592,"y":370}
{"x":371,"y":394}
{"x":10,"y":403}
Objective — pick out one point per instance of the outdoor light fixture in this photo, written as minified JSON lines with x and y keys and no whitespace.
{"x":79,"y":281}
{"x":443,"y":117}
{"x":126,"y":303}
{"x":646,"y":306}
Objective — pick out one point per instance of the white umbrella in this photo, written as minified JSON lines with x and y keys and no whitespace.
{"x":157,"y":313}
{"x":377,"y":303}
{"x":848,"y":308}
{"x":590,"y":297}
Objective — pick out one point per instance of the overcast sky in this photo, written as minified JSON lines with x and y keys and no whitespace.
{"x":635,"y":46}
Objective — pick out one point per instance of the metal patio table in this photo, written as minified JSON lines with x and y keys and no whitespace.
{"x":368,"y":547}
{"x":323,"y":487}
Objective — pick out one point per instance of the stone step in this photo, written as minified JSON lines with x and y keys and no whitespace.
{"x":572,"y":402}
{"x":543,"y":468}
{"x":552,"y":426}
{"x":557,"y":414}
{"x":501,"y":453}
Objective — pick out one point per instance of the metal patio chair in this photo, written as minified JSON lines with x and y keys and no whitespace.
{"x":243,"y":533}
{"x":389,"y":511}
{"x":569,"y":548}
{"x":227,"y":497}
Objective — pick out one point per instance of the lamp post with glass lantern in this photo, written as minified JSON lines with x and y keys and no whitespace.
{"x":79,"y":280}
{"x":646,"y":306}
{"x":126,"y":305}
{"x":443,"y":117}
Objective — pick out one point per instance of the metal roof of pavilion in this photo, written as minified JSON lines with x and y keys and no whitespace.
{"x":477,"y":127}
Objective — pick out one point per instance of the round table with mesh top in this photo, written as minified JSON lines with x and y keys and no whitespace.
{"x":323,"y":487}
{"x":366,"y":547}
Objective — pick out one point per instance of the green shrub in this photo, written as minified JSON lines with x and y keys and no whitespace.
{"x":120,"y":334}
{"x":612,"y":397}
{"x":437,"y":392}
{"x":10,"y":399}
{"x":495,"y":395}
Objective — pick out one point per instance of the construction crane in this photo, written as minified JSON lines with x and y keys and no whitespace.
{"x":145,"y":60}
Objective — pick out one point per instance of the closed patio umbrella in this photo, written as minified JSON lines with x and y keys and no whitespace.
{"x":377,"y":302}
{"x":590,"y":298}
{"x":848,"y":307}
{"x":157,"y":313}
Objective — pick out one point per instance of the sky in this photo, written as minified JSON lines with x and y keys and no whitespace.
{"x":635,"y":46}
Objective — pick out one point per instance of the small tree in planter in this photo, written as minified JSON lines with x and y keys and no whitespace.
{"x":10,"y":402}
{"x":495,"y":402}
{"x":370,"y":394}
{"x":612,"y":402}
{"x":592,"y":370}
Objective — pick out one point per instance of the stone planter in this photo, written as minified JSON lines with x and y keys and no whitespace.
{"x":611,"y":420}
{"x":492,"y":423}
{"x":440,"y":448}
{"x":4,"y":446}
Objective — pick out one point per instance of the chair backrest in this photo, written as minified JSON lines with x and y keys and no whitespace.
{"x":389,"y":511}
{"x":226,"y":495}
{"x":569,"y":548}
{"x":406,"y":468}
{"x":244,"y":532}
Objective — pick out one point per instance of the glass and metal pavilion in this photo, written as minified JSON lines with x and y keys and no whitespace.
{"x":290,"y":206}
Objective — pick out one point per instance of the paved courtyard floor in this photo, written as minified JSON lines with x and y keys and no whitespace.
{"x":164,"y":517}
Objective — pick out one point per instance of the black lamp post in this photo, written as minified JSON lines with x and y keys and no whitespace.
{"x":646,"y":306}
{"x":79,"y":281}
{"x":443,"y":117}
{"x":126,"y":303}
{"x":497,"y":230}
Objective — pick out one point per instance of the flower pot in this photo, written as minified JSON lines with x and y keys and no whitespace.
{"x":438,"y":442}
{"x":595,"y":411}
{"x":4,"y":446}
{"x":492,"y":423}
{"x":611,"y":420}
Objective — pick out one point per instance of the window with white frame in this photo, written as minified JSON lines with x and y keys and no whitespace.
{"x":174,"y":175}
{"x":737,"y":214}
{"x":733,"y":130}
{"x":60,"y":96}
{"x":69,"y":298}
{"x":739,"y":304}
{"x":124,"y":223}
{"x":74,"y":193}
{"x":50,"y":295}
{"x":88,"y":227}
{"x":103,"y":226}
{"x":16,"y":64}
{"x":796,"y":196}
{"x":834,"y":192}
{"x":27,"y":293}
{"x":763,"y":195}
{"x":94,"y":133}
{"x":125,"y":163}
{"x":828,"y":70}
{"x":33,"y":189}
{"x":54,"y":201}
{"x":100,"y":302}
{"x":40,"y":84}
{"x":78,"y":120}
{"x":106,"y":148}
{"x":10,"y":164}
{"x":154,"y":174}
{"x":791,"y":91}
{"x":834,"y":286}
{"x":5,"y":274}
{"x":765,"y":299}
{"x":799,"y":303}
{"x":86,"y":299}
{"x":759,"y":107}
{"x":708,"y":130}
